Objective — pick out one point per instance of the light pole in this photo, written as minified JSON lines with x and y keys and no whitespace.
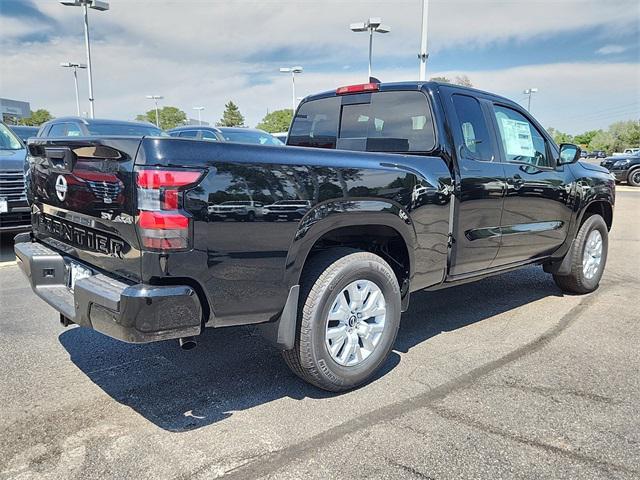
{"x":424,"y":55}
{"x":86,"y":4}
{"x":293,"y":71}
{"x":199,"y":109}
{"x":529,"y":92}
{"x":75,"y":67}
{"x":371,"y":25}
{"x":155,"y":99}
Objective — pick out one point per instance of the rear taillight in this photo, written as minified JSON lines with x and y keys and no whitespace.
{"x":360,"y":88}
{"x":162,"y":224}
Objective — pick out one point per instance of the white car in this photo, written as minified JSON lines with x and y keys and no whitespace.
{"x":236,"y":210}
{"x":286,"y":210}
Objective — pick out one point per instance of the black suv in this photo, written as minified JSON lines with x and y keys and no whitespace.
{"x":626,"y":168}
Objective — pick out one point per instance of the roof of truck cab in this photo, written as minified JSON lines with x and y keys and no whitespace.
{"x":413,"y":85}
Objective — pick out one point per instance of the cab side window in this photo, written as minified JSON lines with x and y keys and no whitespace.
{"x":473,"y":128}
{"x":65,"y":130}
{"x":210,"y":136}
{"x":188,"y":134}
{"x":73,"y":130}
{"x":58,"y":130}
{"x":521,"y":140}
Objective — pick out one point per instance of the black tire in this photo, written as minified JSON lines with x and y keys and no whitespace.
{"x":576,"y":281}
{"x":327,"y":273}
{"x":633,"y":177}
{"x":251,"y":217}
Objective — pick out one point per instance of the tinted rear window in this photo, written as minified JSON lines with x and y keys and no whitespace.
{"x":381,"y":122}
{"x":123,"y":129}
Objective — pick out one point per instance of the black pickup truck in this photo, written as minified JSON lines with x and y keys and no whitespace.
{"x":400,"y":187}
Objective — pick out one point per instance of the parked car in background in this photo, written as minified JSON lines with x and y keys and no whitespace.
{"x":24,"y":131}
{"x":236,"y":210}
{"x":87,"y":127}
{"x":584,"y":154}
{"x":626,"y":168}
{"x":252,"y":136}
{"x":597,"y":154}
{"x":286,"y":210}
{"x":197,"y":132}
{"x":15,"y":214}
{"x":627,"y":151}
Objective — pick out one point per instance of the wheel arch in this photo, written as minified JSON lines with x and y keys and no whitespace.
{"x":599,"y":206}
{"x":371,"y":225}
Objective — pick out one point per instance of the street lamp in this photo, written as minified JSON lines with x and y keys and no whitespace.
{"x":529,"y":92}
{"x":155,"y":99}
{"x":371,"y":25}
{"x":424,"y":55}
{"x":75,"y":67}
{"x":199,"y":109}
{"x":101,"y":7}
{"x":293,"y":71}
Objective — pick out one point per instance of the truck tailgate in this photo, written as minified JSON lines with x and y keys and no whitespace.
{"x":82,"y":193}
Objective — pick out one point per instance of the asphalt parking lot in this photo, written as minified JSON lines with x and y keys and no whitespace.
{"x":504,"y":378}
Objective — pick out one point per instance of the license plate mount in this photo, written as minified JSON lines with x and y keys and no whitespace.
{"x":76,"y":272}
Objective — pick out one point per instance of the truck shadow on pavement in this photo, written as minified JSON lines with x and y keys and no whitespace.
{"x":235,"y":369}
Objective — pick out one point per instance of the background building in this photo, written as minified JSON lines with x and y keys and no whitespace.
{"x":13,"y":110}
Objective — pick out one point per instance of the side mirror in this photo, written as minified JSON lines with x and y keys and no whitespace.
{"x":569,"y":153}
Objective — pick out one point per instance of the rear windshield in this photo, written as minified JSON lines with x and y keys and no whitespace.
{"x":397,"y":122}
{"x":124,"y":129}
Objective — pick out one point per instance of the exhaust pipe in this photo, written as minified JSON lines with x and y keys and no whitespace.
{"x":65,"y":321}
{"x":187,"y":343}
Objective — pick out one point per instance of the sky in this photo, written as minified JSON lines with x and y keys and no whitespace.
{"x":583,"y":56}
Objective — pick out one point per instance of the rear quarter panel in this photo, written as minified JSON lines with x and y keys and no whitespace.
{"x":245,"y":269}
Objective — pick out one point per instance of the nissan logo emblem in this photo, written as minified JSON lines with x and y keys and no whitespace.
{"x":61,"y":187}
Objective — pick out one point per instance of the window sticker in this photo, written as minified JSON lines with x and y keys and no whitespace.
{"x":517,"y":138}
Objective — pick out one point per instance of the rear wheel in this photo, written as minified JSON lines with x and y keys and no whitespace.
{"x":588,"y":257}
{"x":348,"y":319}
{"x":634,"y":177}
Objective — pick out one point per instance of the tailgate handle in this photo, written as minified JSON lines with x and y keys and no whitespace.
{"x":61,"y":158}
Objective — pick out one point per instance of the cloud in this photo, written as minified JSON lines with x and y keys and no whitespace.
{"x":611,"y":49}
{"x":196,"y":52}
{"x":572,"y":97}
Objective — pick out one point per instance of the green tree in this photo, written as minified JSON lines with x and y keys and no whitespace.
{"x":170,"y":117}
{"x":602,"y":140}
{"x":36,"y":118}
{"x":276,"y":121}
{"x":559,"y":137}
{"x":231,"y":116}
{"x":585,"y":138}
{"x":626,"y":134}
{"x":617,"y":137}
